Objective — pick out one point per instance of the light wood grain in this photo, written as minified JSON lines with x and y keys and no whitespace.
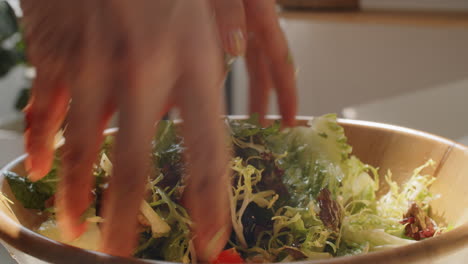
{"x":398,"y":18}
{"x":452,"y":184}
{"x":399,"y":152}
{"x":319,"y":4}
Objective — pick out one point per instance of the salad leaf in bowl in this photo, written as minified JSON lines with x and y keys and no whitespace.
{"x":297,"y":194}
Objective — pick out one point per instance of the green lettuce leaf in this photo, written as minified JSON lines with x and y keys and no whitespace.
{"x":32,"y":195}
{"x":249,"y":143}
{"x":377,"y":223}
{"x":358,"y":189}
{"x":313,"y":158}
{"x":377,"y":239}
{"x":251,"y":127}
{"x":244,"y":192}
{"x":396,"y":202}
{"x":296,"y":194}
{"x":168,"y":148}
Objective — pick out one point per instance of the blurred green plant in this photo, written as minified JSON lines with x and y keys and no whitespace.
{"x":12,"y":49}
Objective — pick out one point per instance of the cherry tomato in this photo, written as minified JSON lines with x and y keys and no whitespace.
{"x":228,"y":256}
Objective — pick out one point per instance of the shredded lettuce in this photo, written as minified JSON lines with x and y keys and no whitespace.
{"x":375,"y":238}
{"x":378,"y":223}
{"x":315,"y":158}
{"x":296,"y":194}
{"x":158,"y":226}
{"x":243,"y":191}
{"x":358,"y":189}
{"x":395,"y":203}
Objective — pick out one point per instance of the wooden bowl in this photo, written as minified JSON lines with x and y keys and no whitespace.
{"x":384,"y":146}
{"x":319,"y":4}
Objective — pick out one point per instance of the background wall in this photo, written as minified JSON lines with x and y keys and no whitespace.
{"x":350,"y":65}
{"x":344,"y":64}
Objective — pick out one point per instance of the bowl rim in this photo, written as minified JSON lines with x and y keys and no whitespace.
{"x":20,"y":237}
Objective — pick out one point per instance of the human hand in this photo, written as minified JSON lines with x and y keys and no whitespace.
{"x":251,"y":28}
{"x":134,"y":58}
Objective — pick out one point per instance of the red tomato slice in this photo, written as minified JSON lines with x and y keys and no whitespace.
{"x":228,"y":256}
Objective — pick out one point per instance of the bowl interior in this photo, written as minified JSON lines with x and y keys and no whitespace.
{"x":387,"y":147}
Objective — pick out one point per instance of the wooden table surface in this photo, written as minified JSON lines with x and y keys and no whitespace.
{"x":409,"y":18}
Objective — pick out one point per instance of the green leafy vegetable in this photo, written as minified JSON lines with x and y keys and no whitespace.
{"x":312,"y":161}
{"x":32,"y":195}
{"x":168,"y":148}
{"x":158,"y":226}
{"x":251,"y":127}
{"x":378,"y":224}
{"x":296,"y":194}
{"x":244,"y":193}
{"x":395,"y":203}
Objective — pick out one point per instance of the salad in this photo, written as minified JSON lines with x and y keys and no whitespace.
{"x":296,"y":194}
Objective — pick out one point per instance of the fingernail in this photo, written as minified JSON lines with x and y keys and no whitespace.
{"x":236,"y":43}
{"x":28,"y":165}
{"x":213,"y":245}
{"x":72,"y":232}
{"x":229,"y":61}
{"x":38,"y":163}
{"x":33,"y":175}
{"x":36,"y":173}
{"x":71,"y":225}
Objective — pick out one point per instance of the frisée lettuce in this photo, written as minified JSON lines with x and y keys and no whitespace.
{"x":296,"y":194}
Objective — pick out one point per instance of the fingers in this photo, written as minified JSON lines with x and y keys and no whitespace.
{"x":87,"y":119}
{"x":206,"y":195}
{"x":230,"y":18}
{"x":260,"y":81}
{"x":50,"y":52}
{"x":131,"y":167}
{"x":165,"y":110}
{"x":273,"y":42}
{"x":74,"y":193}
{"x":44,"y":115}
{"x":143,"y":90}
{"x":124,"y":196}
